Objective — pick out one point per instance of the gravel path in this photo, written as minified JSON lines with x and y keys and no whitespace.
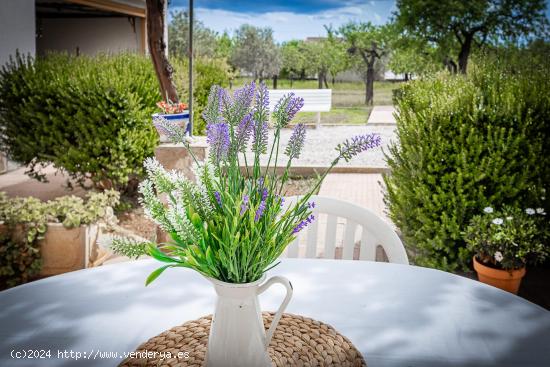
{"x":319,"y":146}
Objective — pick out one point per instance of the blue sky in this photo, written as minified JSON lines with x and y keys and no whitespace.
{"x":290,"y":19}
{"x":296,"y":19}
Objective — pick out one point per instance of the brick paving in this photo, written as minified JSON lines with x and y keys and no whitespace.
{"x":382,"y":115}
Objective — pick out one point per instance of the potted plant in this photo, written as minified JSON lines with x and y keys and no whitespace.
{"x":48,"y":238}
{"x":504,"y":242}
{"x":175,"y":113}
{"x":232,"y":225}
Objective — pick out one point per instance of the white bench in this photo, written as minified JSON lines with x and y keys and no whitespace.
{"x":315,"y":100}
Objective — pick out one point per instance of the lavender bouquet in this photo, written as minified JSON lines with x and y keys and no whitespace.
{"x":231,"y":224}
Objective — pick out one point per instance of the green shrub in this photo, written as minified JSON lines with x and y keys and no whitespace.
{"x":466,"y":143}
{"x":208,"y":72}
{"x":90,"y":116}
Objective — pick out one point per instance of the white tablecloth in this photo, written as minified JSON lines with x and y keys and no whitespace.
{"x":395,"y":315}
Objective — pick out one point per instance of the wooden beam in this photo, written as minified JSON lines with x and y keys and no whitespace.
{"x":113,"y":6}
{"x":143,"y":34}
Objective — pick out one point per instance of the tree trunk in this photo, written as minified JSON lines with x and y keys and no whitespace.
{"x":406,"y":77}
{"x":369,"y":85}
{"x":450,"y":65}
{"x":465,"y":53}
{"x":333,"y":81}
{"x":291,"y":80}
{"x":320,"y":80}
{"x":157,"y":49}
{"x":325,"y":80}
{"x":274,"y":81}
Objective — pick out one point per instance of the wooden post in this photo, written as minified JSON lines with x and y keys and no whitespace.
{"x":157,"y":49}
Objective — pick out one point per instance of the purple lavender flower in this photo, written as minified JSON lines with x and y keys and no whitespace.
{"x":242,"y":135}
{"x":244,"y":96}
{"x":360,"y":143}
{"x":262,"y":98}
{"x":259,"y":137}
{"x":217,"y":136}
{"x":311,"y":204}
{"x":264,"y":194}
{"x":303,"y":224}
{"x":294,"y":105}
{"x":218,"y":198}
{"x":286,"y":109}
{"x":296,"y":141}
{"x":244,"y":205}
{"x":260,"y":211}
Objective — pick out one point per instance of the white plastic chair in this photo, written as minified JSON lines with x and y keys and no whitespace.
{"x":358,"y":223}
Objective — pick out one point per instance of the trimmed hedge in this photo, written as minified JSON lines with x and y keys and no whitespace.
{"x":208,"y":72}
{"x":90,"y":116}
{"x":466,"y":143}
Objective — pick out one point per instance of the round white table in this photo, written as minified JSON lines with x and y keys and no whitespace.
{"x":395,"y":315}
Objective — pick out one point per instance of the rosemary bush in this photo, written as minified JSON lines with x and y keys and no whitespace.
{"x":229,"y":225}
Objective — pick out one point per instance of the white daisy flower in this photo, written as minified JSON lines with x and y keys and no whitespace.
{"x":530,"y":211}
{"x":498,"y":256}
{"x":497,"y":221}
{"x":540,"y":211}
{"x":488,"y":210}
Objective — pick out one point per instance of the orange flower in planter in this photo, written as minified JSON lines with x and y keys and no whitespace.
{"x":170,"y":108}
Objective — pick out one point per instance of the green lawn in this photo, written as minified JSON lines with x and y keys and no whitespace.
{"x":348,"y":100}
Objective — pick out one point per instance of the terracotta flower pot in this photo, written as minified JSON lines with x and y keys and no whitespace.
{"x":508,"y":280}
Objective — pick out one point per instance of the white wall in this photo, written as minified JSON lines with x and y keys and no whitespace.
{"x":17,"y":28}
{"x":90,"y":35}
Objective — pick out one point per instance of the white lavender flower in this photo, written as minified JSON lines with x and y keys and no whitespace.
{"x":498,"y":256}
{"x":158,"y":176}
{"x":181,"y":225}
{"x":488,"y":210}
{"x":189,"y":193}
{"x":153,"y":207}
{"x":530,"y":211}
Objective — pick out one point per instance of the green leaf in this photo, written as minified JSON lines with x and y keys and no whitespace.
{"x":155,"y":274}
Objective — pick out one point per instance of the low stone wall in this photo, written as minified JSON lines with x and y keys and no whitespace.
{"x":65,"y":249}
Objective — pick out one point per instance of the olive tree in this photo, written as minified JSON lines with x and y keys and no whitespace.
{"x":369,"y":43}
{"x":457,"y":25}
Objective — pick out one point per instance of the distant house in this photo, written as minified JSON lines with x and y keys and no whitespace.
{"x":76,"y":26}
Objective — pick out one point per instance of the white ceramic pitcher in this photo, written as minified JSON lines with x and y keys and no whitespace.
{"x":237,"y":334}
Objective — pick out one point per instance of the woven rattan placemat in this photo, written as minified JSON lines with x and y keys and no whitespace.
{"x":298,"y":341}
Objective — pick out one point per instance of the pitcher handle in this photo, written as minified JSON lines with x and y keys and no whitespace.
{"x":284,"y":281}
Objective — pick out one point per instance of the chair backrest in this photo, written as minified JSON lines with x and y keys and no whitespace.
{"x":315,"y":100}
{"x":352,"y":226}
